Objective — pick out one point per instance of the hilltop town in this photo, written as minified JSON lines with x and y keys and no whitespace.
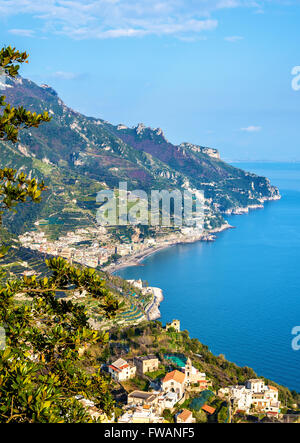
{"x":185,"y":387}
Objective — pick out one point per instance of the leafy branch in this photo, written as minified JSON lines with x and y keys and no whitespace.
{"x":13,"y":119}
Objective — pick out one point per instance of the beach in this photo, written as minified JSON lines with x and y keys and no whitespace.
{"x":137,"y":258}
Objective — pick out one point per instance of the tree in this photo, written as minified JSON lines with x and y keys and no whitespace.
{"x":17,"y":188}
{"x":41,"y":379}
{"x":223,"y":414}
{"x":13,"y":119}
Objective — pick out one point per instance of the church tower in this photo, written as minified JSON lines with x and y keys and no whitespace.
{"x":188,"y":371}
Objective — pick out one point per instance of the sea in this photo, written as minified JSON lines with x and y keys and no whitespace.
{"x":241,"y":294}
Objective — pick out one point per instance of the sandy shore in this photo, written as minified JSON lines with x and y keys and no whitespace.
{"x":136,"y":259}
{"x":139,"y":257}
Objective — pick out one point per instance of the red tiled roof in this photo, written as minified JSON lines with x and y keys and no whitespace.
{"x":175,"y":375}
{"x":184,"y":415}
{"x":208,"y":409}
{"x":124,"y":366}
{"x":114,"y":368}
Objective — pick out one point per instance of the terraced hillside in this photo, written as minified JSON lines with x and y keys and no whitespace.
{"x":20,"y":261}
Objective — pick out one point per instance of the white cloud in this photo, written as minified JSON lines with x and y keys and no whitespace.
{"x":22,"y":32}
{"x":234,"y":38}
{"x":252,"y":129}
{"x":65,"y":75}
{"x":191,"y":26}
{"x":82,"y":19}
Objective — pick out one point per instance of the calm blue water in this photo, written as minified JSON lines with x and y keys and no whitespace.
{"x":241,"y":294}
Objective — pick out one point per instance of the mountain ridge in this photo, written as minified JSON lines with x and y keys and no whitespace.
{"x":79,"y":155}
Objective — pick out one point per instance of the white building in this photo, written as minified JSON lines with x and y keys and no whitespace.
{"x":174,"y":382}
{"x":120,"y":370}
{"x":167,"y":400}
{"x":136,"y":283}
{"x":242,"y":398}
{"x":255,"y":385}
{"x":194,"y":376}
{"x":141,"y":415}
{"x":255,"y":395}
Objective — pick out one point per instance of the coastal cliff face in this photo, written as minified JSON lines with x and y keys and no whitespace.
{"x":78,"y":155}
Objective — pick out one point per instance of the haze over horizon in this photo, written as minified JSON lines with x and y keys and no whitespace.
{"x":215,"y":73}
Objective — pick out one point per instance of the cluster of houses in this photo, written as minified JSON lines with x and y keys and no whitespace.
{"x":89,"y":246}
{"x":172,"y":389}
{"x":254,"y":395}
{"x":95,"y":246}
{"x":147,"y":407}
{"x":82,"y":246}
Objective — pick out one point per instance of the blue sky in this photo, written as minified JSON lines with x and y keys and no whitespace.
{"x":212,"y":72}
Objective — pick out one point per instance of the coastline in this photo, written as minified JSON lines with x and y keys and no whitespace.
{"x":206,"y":236}
{"x":153,"y":311}
{"x":139,"y":257}
{"x":226,"y":238}
{"x":136,"y":259}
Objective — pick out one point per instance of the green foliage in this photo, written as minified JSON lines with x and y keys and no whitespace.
{"x":18,"y":188}
{"x":168,"y":416}
{"x":39,"y":370}
{"x":9,"y":57}
{"x":200,"y":416}
{"x":13,"y":119}
{"x":223,"y":414}
{"x":140,"y":383}
{"x":157,"y":374}
{"x":41,"y":379}
{"x":14,"y":189}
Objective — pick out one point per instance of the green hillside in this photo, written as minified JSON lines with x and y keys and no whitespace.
{"x":78,"y":155}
